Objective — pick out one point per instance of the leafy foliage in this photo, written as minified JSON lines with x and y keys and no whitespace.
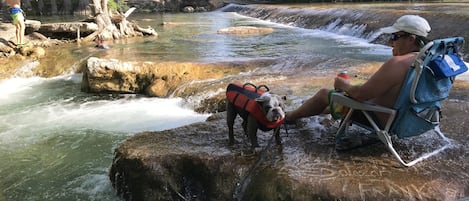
{"x":117,"y":5}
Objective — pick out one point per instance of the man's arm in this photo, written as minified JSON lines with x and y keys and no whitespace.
{"x":388,"y":76}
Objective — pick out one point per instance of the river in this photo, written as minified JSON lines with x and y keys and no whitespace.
{"x":57,"y":143}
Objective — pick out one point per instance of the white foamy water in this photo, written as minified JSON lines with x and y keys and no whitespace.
{"x":464,"y":76}
{"x":10,"y":89}
{"x":127,"y":114}
{"x":62,"y":140}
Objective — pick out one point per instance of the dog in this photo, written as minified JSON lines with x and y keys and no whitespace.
{"x":266,"y":112}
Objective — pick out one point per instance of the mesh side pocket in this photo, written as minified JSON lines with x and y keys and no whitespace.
{"x":413,"y":123}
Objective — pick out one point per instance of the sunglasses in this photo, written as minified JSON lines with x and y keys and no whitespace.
{"x":395,"y":36}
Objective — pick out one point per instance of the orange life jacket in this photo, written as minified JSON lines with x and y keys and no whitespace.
{"x":243,"y":97}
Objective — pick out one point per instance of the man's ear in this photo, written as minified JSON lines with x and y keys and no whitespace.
{"x":413,"y":38}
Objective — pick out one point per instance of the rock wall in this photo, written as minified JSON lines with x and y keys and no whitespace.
{"x":150,"y":78}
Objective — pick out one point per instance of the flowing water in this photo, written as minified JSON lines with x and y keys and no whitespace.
{"x":57,"y":143}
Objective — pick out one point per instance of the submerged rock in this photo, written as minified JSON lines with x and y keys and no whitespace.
{"x":246,"y":30}
{"x":195,"y":162}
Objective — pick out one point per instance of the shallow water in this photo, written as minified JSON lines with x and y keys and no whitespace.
{"x":57,"y":142}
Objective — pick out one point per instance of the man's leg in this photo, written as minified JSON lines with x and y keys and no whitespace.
{"x":20,"y":29}
{"x":313,"y":106}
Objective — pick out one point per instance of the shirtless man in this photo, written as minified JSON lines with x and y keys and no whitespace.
{"x":407,"y":38}
{"x":17,"y":19}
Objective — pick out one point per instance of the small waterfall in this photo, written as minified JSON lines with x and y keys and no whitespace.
{"x":340,"y":21}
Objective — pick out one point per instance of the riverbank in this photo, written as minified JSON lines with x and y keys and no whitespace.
{"x":12,"y":57}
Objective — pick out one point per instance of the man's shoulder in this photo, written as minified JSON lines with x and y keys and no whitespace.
{"x":401,"y":60}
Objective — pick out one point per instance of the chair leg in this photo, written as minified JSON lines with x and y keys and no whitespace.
{"x":386,"y":138}
{"x":343,"y":128}
{"x":364,"y":140}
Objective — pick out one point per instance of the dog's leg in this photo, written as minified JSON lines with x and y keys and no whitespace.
{"x":252,"y":131}
{"x":245,"y":125}
{"x":230,"y":118}
{"x":278,"y":139}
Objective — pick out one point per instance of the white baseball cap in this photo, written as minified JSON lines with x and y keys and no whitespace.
{"x":412,"y":24}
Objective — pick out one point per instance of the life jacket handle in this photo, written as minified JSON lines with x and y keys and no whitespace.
{"x":256,"y":88}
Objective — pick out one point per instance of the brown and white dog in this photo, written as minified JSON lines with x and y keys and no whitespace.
{"x":265,"y":112}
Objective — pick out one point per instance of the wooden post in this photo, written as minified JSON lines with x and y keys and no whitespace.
{"x":78,"y":34}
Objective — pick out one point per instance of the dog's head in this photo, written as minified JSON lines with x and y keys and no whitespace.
{"x":272,"y":105}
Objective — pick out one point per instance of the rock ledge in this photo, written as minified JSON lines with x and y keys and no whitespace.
{"x":194,"y":162}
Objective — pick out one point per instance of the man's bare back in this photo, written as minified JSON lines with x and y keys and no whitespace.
{"x":13,"y":3}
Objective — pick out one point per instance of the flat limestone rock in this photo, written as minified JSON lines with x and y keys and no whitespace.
{"x":85,"y":27}
{"x":156,"y":79}
{"x":246,"y":30}
{"x":196,"y":161}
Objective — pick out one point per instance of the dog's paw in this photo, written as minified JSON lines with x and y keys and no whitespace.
{"x":257,"y":149}
{"x":298,"y":123}
{"x":278,"y":141}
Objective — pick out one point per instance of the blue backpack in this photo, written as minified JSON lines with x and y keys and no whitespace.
{"x":428,"y":82}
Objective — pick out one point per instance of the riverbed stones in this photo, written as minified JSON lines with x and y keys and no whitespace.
{"x":188,"y":9}
{"x":31,"y":51}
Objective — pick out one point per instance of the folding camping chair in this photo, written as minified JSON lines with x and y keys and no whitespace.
{"x":417,"y":109}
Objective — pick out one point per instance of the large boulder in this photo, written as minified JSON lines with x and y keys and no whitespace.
{"x":32,"y":26}
{"x":195,"y":162}
{"x":150,"y":78}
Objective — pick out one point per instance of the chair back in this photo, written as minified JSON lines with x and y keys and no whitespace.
{"x":418,"y":104}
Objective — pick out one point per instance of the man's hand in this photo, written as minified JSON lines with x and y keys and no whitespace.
{"x":341,"y":84}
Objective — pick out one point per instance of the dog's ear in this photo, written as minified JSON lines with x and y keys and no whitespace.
{"x":284,"y":98}
{"x":262,"y":99}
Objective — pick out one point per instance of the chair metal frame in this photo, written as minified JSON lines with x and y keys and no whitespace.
{"x":427,"y":53}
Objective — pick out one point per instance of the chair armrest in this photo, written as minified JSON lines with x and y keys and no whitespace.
{"x":344,"y":100}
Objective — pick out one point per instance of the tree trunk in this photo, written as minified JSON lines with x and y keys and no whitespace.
{"x":106,"y":28}
{"x":113,"y":26}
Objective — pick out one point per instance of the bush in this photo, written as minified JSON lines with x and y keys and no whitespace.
{"x":120,"y":5}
